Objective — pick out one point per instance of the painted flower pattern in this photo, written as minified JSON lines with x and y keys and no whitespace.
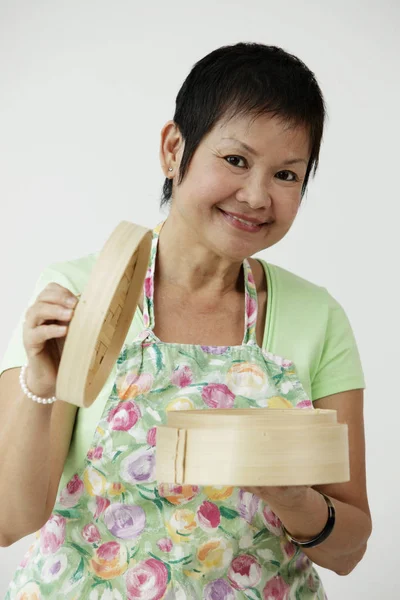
{"x":52,"y":535}
{"x":247,"y":505}
{"x":72,"y":492}
{"x":182,"y":376}
{"x":124,"y":416}
{"x":217,"y":395}
{"x":165,"y":544}
{"x":244,"y":572}
{"x":110,"y":560}
{"x":215,"y":554}
{"x":208,"y":515}
{"x":152,"y":436}
{"x":95,"y":482}
{"x":98,"y":506}
{"x":115,"y":533}
{"x":147,"y":580}
{"x":139,"y":466}
{"x":249,"y":380}
{"x":91,"y":534}
{"x":95,"y":453}
{"x":133,"y":385}
{"x":178,"y":494}
{"x":276,"y":589}
{"x":54,"y":567}
{"x":124,"y":521}
{"x":181,"y":525}
{"x":219,"y":589}
{"x":30,"y":591}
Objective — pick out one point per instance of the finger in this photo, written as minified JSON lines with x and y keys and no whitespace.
{"x":38,"y":336}
{"x":41,"y":312}
{"x":55,"y":294}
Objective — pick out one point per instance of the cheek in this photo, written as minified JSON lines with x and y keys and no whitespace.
{"x":210,"y":186}
{"x":287,"y":208}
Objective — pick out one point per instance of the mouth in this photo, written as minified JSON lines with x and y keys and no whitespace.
{"x":243,"y":222}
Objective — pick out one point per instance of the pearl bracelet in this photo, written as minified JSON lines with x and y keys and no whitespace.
{"x":29,"y":393}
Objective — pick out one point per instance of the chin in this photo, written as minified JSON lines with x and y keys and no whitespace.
{"x":239,"y":247}
{"x":236,"y":251}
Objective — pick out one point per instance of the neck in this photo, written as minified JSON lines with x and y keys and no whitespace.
{"x":183,"y":261}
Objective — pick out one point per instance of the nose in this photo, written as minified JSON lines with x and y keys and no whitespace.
{"x":255,"y":193}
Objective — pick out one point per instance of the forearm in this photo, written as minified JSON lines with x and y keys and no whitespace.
{"x":345,"y":546}
{"x":25,"y":468}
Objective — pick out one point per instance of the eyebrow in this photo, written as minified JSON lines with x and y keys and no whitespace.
{"x":251,"y":150}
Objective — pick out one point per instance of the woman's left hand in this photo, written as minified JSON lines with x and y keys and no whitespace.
{"x":286,"y":496}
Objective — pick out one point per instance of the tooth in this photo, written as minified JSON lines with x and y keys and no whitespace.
{"x":245,"y":222}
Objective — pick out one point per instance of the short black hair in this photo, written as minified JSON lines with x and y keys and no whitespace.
{"x":242,"y":79}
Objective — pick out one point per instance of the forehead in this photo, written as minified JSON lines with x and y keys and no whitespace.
{"x":263,"y":133}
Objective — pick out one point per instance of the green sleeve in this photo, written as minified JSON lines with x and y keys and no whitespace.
{"x":339,"y":367}
{"x":306,"y":325}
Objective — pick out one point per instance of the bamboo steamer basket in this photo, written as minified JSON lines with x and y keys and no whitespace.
{"x":103,"y":314}
{"x":252,"y":447}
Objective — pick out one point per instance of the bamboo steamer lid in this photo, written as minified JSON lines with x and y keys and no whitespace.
{"x":252,"y":447}
{"x":103,"y":314}
{"x":245,"y":418}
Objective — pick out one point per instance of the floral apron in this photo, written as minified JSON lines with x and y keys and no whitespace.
{"x":115,"y":533}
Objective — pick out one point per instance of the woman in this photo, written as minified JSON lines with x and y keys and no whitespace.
{"x":214,"y":327}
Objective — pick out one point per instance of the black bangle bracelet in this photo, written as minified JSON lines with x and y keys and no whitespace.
{"x":327,"y":530}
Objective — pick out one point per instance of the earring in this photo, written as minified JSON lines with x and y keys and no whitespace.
{"x":170,"y":169}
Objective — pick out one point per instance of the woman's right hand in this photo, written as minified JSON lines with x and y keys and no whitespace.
{"x":44,"y":331}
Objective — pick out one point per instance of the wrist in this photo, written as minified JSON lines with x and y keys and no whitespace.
{"x":32,"y":389}
{"x":37,"y":383}
{"x":310,"y":541}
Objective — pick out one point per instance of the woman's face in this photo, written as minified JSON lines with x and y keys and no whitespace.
{"x":238,"y":200}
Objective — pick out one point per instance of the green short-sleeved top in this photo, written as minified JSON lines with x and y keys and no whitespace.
{"x":304,"y":323}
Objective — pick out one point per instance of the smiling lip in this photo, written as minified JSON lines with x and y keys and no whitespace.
{"x":251,"y":220}
{"x":248,"y":224}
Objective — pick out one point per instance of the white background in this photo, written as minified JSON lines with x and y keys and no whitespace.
{"x":85,"y":88}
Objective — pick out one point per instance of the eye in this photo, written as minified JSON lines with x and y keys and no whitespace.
{"x":237,"y":158}
{"x":294,"y":176}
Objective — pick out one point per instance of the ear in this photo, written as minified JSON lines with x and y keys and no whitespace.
{"x":171,"y":148}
